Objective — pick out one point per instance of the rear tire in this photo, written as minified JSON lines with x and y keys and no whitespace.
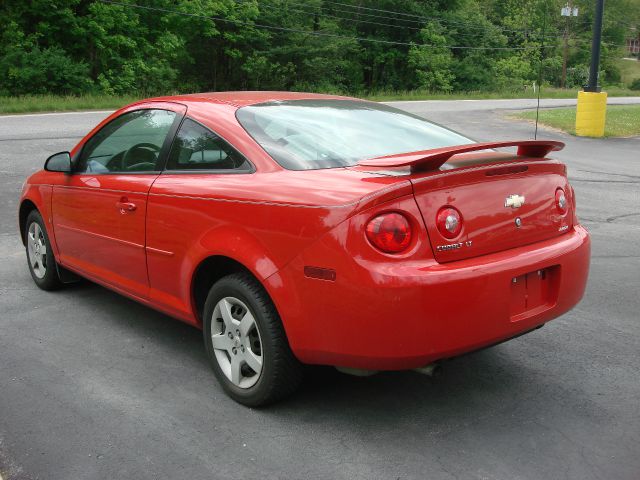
{"x":40,"y":259}
{"x":246,"y":343}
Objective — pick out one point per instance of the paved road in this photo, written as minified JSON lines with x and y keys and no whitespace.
{"x":96,"y":386}
{"x":429,"y":106}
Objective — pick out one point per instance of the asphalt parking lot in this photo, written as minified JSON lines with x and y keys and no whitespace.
{"x":95,"y":386}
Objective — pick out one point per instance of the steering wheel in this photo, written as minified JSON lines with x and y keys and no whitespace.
{"x":149,"y":147}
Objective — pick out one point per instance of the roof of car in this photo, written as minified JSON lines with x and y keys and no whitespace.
{"x":244,"y":98}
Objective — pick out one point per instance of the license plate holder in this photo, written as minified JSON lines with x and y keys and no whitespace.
{"x":532,"y":292}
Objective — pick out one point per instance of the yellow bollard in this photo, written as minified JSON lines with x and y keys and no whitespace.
{"x":591,"y":114}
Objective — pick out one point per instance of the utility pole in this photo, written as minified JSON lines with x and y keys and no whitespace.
{"x":567,"y":11}
{"x":593,"y":86}
{"x":591,"y":111}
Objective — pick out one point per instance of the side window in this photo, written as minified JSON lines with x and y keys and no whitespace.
{"x":130,"y":143}
{"x":197,"y":148}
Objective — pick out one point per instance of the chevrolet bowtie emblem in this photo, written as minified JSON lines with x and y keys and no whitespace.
{"x":514,"y":201}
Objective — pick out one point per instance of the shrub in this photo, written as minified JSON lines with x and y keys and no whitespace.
{"x":577,"y":76}
{"x":612,"y":74}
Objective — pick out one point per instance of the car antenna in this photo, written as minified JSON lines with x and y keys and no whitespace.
{"x":544,"y":29}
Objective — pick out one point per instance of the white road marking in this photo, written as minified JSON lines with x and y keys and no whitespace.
{"x":552,"y":101}
{"x":463,"y":100}
{"x":610,"y":100}
{"x":84,"y":112}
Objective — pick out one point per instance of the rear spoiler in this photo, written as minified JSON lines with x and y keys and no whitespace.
{"x":433,"y":159}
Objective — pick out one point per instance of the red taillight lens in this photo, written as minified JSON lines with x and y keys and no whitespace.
{"x":390,"y":232}
{"x":561,"y":201}
{"x":449,"y":222}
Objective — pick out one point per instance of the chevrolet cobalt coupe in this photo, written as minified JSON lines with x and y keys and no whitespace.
{"x":310,"y":229}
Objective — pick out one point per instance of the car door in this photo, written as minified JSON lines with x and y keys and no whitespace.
{"x":200,"y":166}
{"x":99,"y":210}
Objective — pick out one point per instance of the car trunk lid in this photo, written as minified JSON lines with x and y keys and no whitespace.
{"x":505,"y":201}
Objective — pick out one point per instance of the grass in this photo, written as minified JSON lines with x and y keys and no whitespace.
{"x":547,"y":92}
{"x":622,"y":120}
{"x":629,"y":71}
{"x":62,"y":103}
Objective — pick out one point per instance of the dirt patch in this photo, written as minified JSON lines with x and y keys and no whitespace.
{"x":8,"y":469}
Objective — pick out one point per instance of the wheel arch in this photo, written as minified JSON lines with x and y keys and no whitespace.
{"x":208,"y":272}
{"x":26,"y":207}
{"x":219,"y":252}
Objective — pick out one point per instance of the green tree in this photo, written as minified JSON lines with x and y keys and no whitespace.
{"x":75,"y":46}
{"x":432,"y":60}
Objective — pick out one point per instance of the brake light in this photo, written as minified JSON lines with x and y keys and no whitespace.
{"x":389,"y":232}
{"x":449,"y":222}
{"x":561,"y":201}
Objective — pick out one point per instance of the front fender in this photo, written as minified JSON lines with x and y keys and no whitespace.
{"x":37,"y":195}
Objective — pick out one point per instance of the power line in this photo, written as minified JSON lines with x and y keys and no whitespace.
{"x":607,"y":23}
{"x":390,"y":25}
{"x":326,"y":15}
{"x":423,"y":19}
{"x":440,"y":19}
{"x":419,"y":22}
{"x":420,"y":18}
{"x":307,"y":32}
{"x":431,"y":18}
{"x":359,"y":7}
{"x":588,"y":47}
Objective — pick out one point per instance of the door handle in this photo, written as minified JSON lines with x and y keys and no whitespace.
{"x":125,"y":206}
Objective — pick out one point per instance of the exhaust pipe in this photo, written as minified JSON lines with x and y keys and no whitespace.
{"x":431,"y":370}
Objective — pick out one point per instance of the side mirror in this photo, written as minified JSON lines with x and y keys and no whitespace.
{"x":59,"y":162}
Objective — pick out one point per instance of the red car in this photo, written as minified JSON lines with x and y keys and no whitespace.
{"x":300,"y":229}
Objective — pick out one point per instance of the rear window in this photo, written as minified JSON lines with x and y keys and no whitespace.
{"x":314,"y":134}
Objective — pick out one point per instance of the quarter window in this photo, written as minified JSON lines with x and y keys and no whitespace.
{"x":198,"y":148}
{"x":130,"y":143}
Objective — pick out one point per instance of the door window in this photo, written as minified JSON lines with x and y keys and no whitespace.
{"x":198,"y":148}
{"x":130,"y":143}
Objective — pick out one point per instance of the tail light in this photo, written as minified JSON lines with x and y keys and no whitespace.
{"x":389,"y":232}
{"x":561,"y":201}
{"x":449,"y":222}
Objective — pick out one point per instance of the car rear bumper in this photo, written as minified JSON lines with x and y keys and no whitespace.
{"x":387,"y":316}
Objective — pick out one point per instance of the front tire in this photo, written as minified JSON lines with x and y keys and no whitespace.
{"x":40,"y":259}
{"x":246,"y":343}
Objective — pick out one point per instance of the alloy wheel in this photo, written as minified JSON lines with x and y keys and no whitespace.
{"x":236,"y":342}
{"x":37,"y":250}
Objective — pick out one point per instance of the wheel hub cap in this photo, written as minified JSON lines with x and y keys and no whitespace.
{"x":236,"y":342}
{"x":37,"y":250}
